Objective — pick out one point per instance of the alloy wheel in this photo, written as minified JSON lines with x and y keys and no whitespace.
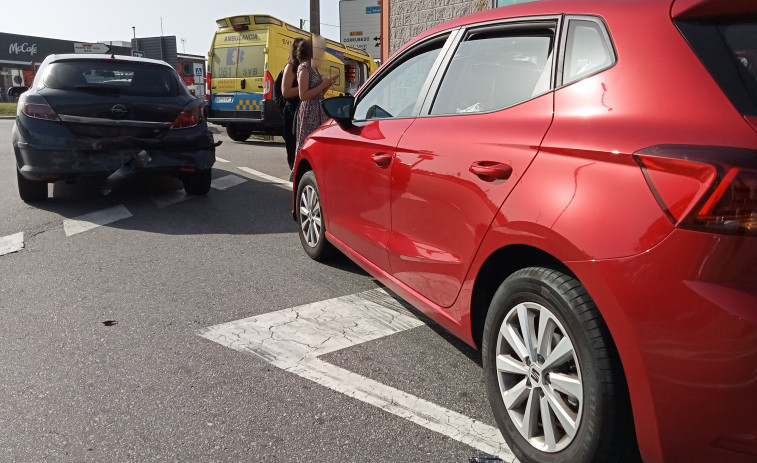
{"x":539,"y":377}
{"x":310,"y":216}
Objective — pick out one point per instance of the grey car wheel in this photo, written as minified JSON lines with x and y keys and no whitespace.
{"x":197,"y":182}
{"x":30,"y":190}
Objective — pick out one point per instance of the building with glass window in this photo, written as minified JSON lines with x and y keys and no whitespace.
{"x":21,"y":55}
{"x":401,"y":20}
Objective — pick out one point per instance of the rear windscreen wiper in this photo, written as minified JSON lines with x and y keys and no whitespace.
{"x":99,"y":88}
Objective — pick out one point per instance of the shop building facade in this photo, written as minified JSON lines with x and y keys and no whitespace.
{"x":21,"y":55}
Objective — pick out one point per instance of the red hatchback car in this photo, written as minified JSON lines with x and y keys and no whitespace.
{"x":570,"y":186}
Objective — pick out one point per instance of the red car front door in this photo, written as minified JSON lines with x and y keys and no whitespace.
{"x":354,"y":166}
{"x":355,"y":182}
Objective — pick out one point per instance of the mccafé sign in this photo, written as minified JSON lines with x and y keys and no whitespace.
{"x":23,"y":48}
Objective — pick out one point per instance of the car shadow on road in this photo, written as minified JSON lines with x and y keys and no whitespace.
{"x":470,"y":352}
{"x":343,"y":263}
{"x":249,"y":207}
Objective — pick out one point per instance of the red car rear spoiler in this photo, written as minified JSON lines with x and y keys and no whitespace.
{"x":689,"y":9}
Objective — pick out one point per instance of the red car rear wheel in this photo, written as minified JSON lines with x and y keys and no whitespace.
{"x":553,"y":375}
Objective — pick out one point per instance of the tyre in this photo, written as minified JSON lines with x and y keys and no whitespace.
{"x":312,"y":229}
{"x":554,"y":379}
{"x":30,"y":190}
{"x":198,"y":182}
{"x":238,"y":132}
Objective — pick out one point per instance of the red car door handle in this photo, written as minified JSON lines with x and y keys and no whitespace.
{"x":382,"y":159}
{"x":490,"y":170}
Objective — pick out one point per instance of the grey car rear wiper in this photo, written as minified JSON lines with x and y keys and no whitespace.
{"x":100,"y":88}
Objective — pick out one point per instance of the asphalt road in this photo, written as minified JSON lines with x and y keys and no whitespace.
{"x":105,"y":353}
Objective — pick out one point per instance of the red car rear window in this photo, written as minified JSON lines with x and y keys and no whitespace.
{"x":741,"y":40}
{"x":728,"y":48}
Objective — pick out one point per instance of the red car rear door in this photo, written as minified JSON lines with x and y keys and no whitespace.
{"x":456,"y":164}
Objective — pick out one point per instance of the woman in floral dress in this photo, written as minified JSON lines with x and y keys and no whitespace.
{"x":311,"y":86}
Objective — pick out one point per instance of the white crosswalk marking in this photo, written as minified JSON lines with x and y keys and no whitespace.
{"x":279,"y":182}
{"x":292,"y":339}
{"x":95,"y":219}
{"x":11,"y":243}
{"x":221,"y":159}
{"x":228,"y":181}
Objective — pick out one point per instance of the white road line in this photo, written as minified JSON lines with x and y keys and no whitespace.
{"x":221,"y":159}
{"x":228,"y":181}
{"x":11,"y":243}
{"x":279,"y":182}
{"x":292,"y":339}
{"x":455,"y":425}
{"x":172,"y":197}
{"x":95,"y":219}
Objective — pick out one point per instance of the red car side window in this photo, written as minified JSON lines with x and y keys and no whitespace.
{"x":496,"y":68}
{"x":395,"y":95}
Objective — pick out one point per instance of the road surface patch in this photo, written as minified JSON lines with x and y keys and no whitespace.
{"x":95,"y":219}
{"x":293,"y":339}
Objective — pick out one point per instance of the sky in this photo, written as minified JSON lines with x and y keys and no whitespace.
{"x":191,"y":20}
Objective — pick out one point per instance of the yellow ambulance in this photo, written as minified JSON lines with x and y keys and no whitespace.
{"x":246,"y":56}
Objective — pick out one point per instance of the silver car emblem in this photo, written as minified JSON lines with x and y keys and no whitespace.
{"x":118,"y":110}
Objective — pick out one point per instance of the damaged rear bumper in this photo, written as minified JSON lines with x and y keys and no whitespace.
{"x":51,"y":157}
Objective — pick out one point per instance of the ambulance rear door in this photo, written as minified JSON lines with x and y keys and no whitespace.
{"x":238,"y":65}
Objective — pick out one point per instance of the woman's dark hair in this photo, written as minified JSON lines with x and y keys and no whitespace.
{"x":302,"y":51}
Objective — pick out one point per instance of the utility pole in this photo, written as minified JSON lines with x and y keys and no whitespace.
{"x":134,"y":47}
{"x":315,"y":16}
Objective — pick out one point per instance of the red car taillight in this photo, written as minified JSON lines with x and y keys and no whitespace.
{"x":189,"y":117}
{"x":35,"y":106}
{"x":704,"y":188}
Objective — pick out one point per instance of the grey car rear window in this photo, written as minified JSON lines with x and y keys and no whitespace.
{"x":132,"y":78}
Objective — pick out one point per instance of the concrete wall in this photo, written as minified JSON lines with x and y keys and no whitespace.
{"x":408,"y":18}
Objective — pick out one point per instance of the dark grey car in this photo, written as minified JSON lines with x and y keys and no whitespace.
{"x":109,"y":116}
